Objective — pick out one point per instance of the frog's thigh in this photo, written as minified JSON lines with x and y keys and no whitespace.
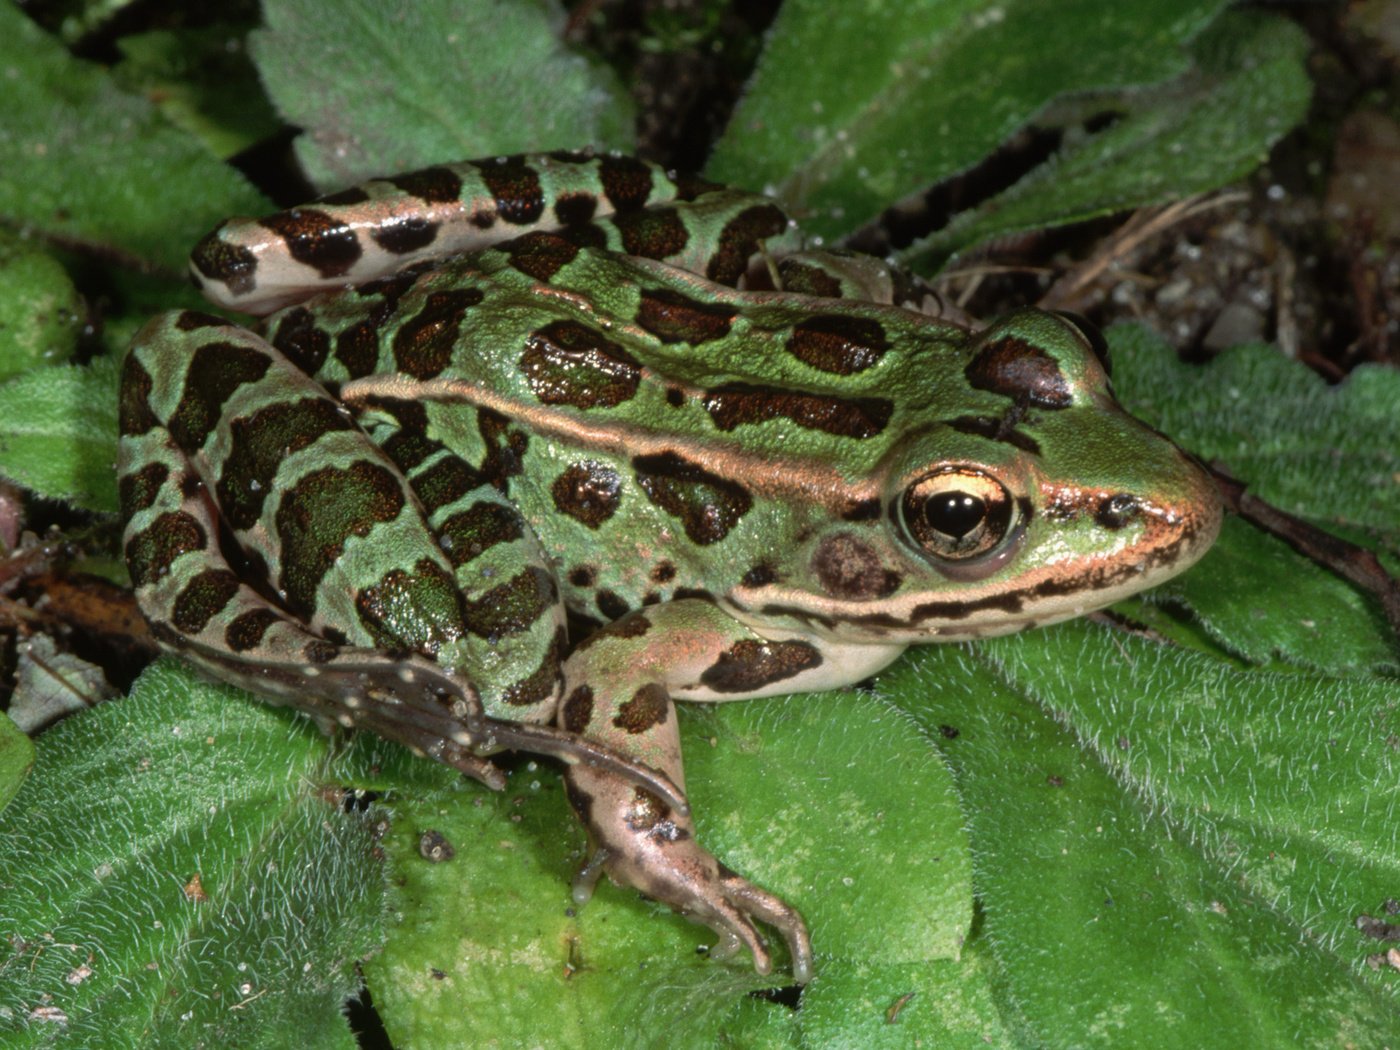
{"x":620,"y":682}
{"x":513,"y":647}
{"x":188,"y":381}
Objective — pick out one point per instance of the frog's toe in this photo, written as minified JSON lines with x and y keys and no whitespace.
{"x":644,"y":844}
{"x":777,"y":913}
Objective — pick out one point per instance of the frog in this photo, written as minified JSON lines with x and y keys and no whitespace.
{"x":521,"y":451}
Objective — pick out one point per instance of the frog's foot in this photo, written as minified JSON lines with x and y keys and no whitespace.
{"x":643,"y":843}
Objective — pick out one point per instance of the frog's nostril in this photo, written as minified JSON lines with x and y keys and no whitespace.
{"x":1117,"y":511}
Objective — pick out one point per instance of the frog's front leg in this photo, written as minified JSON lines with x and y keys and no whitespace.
{"x":618,"y":690}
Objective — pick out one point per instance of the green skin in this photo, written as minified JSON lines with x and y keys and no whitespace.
{"x":552,"y":397}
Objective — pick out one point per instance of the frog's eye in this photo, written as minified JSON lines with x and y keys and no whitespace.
{"x":956,"y":514}
{"x":1091,"y":335}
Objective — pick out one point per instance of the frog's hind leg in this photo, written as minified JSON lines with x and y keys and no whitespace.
{"x":619,"y":685}
{"x":357,"y":618}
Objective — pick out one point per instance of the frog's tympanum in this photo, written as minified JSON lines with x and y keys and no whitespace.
{"x":493,"y":393}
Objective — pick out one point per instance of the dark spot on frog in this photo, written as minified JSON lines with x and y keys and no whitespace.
{"x":611,"y":605}
{"x":316,"y":239}
{"x":320,"y":651}
{"x":849,"y":568}
{"x":1118,"y":511}
{"x":663,"y":572}
{"x":432,"y":185}
{"x":335,"y":636}
{"x":301,"y":341}
{"x":578,"y":709}
{"x":583,"y":576}
{"x":190,"y":320}
{"x":838,"y":344}
{"x":735,"y":404}
{"x":760,"y":575}
{"x":654,"y":233}
{"x":580,"y":801}
{"x":625,"y":629}
{"x":540,"y":254}
{"x":214,"y":372}
{"x":246,"y":631}
{"x":567,"y":363}
{"x":429,"y":592}
{"x":1022,"y":371}
{"x":647,"y":709}
{"x":134,"y":405}
{"x":445,"y":482}
{"x":424,"y":343}
{"x":258,"y":445}
{"x":505,"y":448}
{"x":513,"y":606}
{"x":862,"y":510}
{"x":741,"y":239}
{"x":675,"y":396}
{"x":544,"y":681}
{"x":201,"y":599}
{"x":409,"y":445}
{"x":626,"y":182}
{"x":516,"y":187}
{"x":707,"y":505}
{"x":323,"y":509}
{"x":676,"y":318}
{"x":749,"y":665}
{"x":150,"y":553}
{"x":232,"y":264}
{"x":483,"y":220}
{"x":651,"y":598}
{"x":407,"y":234}
{"x":357,"y":348}
{"x":468,"y":533}
{"x":138,"y":490}
{"x":434,"y":847}
{"x":574,"y":209}
{"x":589,"y":492}
{"x":805,"y":279}
{"x":699,"y":594}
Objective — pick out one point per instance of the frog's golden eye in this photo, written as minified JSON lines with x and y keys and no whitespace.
{"x":957,"y":513}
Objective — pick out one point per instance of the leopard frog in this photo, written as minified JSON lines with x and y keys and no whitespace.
{"x":526,"y":449}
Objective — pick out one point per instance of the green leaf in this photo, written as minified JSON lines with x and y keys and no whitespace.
{"x":1168,"y":848}
{"x":98,"y":168}
{"x":58,"y":433}
{"x":41,"y":313}
{"x":857,"y":105}
{"x":203,"y":81}
{"x":1322,"y":622}
{"x":101,"y":920}
{"x":399,"y":87}
{"x":492,"y":935}
{"x":1249,"y":86}
{"x":16,"y":759}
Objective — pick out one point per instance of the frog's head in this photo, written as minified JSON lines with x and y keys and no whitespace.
{"x":1028,"y":496}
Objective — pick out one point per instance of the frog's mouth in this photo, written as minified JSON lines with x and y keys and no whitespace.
{"x":1160,"y":540}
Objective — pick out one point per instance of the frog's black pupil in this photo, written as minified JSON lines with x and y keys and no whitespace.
{"x":955,"y":513}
